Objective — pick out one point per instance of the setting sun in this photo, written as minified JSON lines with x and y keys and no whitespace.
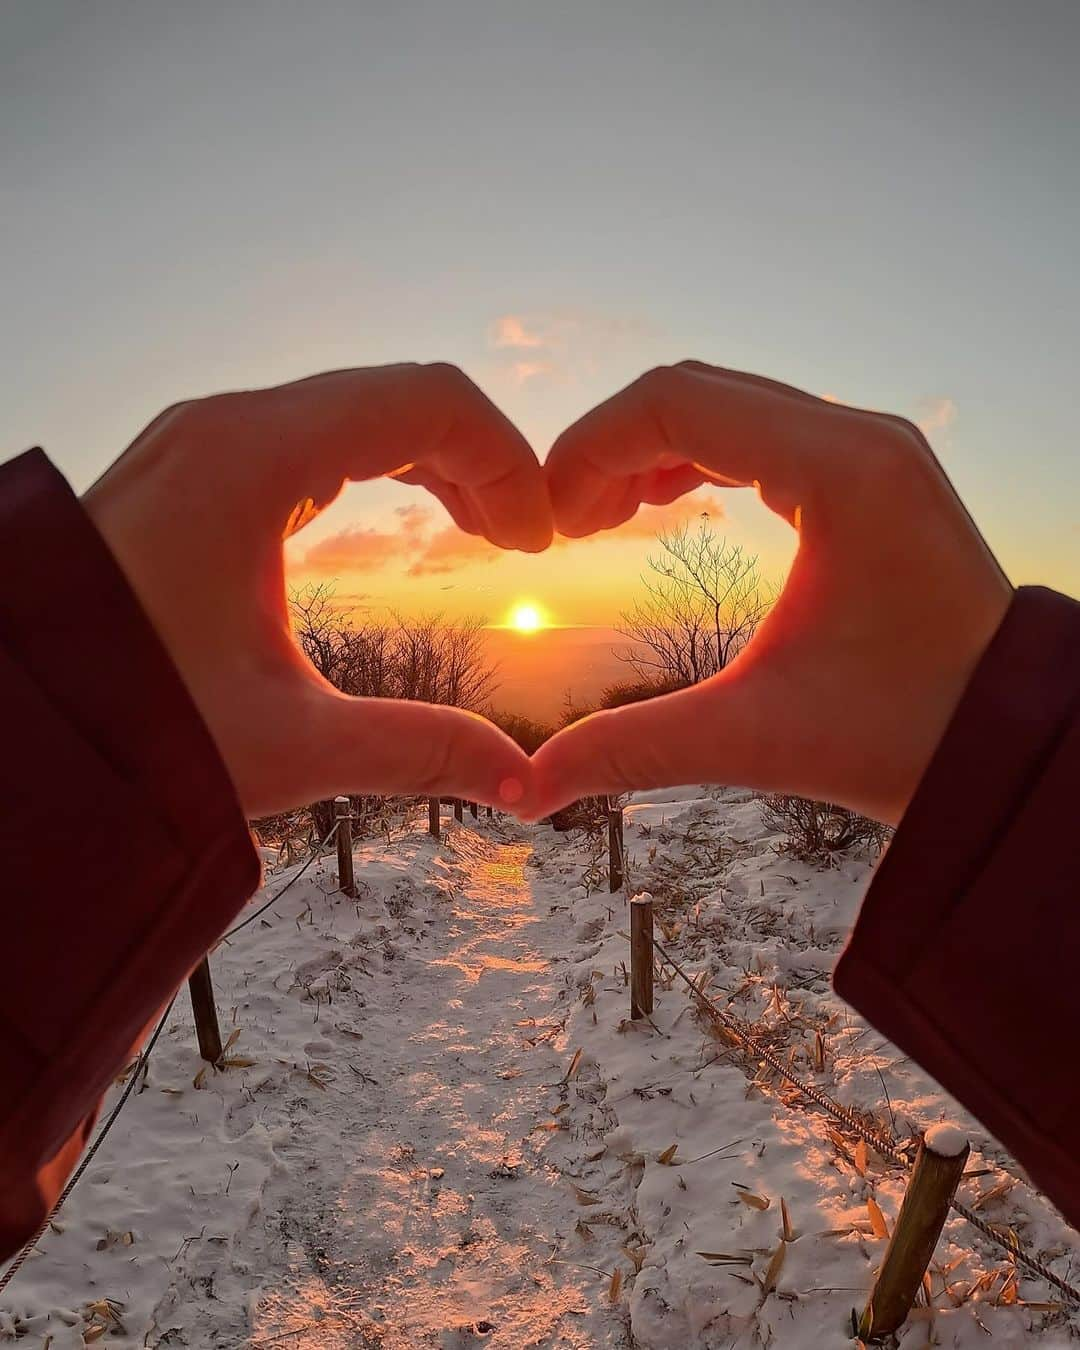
{"x":526,"y":618}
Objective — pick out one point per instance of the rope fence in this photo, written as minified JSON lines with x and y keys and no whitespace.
{"x":848,"y":1118}
{"x":136,"y":1073}
{"x":206,"y":1027}
{"x":933,"y":1176}
{"x":205,"y":1013}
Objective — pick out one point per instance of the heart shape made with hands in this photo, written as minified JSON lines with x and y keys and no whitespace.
{"x":834,"y":697}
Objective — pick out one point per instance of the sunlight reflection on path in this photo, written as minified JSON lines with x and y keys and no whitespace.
{"x":498,"y":886}
{"x":448,"y":1212}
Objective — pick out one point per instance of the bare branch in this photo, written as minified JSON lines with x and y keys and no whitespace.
{"x":702,"y":605}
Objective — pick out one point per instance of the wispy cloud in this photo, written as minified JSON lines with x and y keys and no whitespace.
{"x":935,"y":414}
{"x":424,"y":551}
{"x":932,"y":413}
{"x":367,"y":550}
{"x":521,"y":372}
{"x":558,"y":345}
{"x":650,"y":520}
{"x":513,"y":331}
{"x":451,"y":548}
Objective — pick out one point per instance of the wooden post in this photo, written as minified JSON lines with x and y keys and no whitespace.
{"x":490,"y":812}
{"x":343,"y":816}
{"x":458,"y":815}
{"x":433,"y":817}
{"x":641,"y":956}
{"x":616,"y":870}
{"x":943,"y":1155}
{"x":202,"y":1005}
{"x":475,"y":809}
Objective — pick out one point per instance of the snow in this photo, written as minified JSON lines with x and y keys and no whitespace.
{"x":439,"y":1127}
{"x":946,"y":1141}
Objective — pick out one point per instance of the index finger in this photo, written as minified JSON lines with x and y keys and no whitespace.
{"x":422,"y":423}
{"x":693,"y":419}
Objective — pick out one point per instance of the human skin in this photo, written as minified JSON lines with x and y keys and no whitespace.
{"x":848,"y":685}
{"x":196,"y":512}
{"x":843,"y":693}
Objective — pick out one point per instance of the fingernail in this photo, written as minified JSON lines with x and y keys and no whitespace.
{"x":511,"y":790}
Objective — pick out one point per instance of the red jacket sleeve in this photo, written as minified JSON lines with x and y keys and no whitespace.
{"x":965,"y":953}
{"x":123,"y":849}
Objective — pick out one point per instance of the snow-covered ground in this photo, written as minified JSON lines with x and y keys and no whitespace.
{"x":438,"y":1127}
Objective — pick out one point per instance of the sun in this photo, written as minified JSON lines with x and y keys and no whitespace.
{"x":526,"y":618}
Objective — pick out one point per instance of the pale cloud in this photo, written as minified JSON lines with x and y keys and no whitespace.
{"x":651,"y":520}
{"x":935,"y":414}
{"x":367,"y":550}
{"x":511,"y":330}
{"x":561,"y":345}
{"x":438,"y":552}
{"x":451,"y":548}
{"x":354,"y":550}
{"x":414,"y":520}
{"x":523,"y":371}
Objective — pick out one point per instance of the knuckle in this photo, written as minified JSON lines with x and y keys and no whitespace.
{"x":445,"y":375}
{"x":658,"y":377}
{"x":178,"y":409}
{"x":220,"y":408}
{"x":905,"y":432}
{"x":443,"y":756}
{"x":900,"y":443}
{"x":605,"y":747}
{"x":895,"y":456}
{"x":438,"y":769}
{"x":657,"y":385}
{"x":662,"y":380}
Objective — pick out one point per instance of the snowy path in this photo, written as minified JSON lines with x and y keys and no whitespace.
{"x":417,"y":1207}
{"x":437,"y":1128}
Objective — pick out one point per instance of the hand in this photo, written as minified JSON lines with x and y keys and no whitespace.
{"x":848,"y":685}
{"x":195,"y":513}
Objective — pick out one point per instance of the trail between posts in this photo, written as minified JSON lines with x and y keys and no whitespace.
{"x":437,"y":1127}
{"x":416,"y":1206}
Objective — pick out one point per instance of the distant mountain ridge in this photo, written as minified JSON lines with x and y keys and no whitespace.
{"x":535,"y":671}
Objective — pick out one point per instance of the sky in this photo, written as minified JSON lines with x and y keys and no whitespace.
{"x":873,"y":200}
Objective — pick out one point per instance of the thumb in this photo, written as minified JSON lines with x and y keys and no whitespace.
{"x":391,"y":746}
{"x":708,"y":733}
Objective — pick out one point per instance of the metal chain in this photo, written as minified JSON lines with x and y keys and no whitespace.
{"x":848,"y":1118}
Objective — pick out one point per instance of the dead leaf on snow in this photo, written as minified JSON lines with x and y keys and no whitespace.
{"x":877,"y":1219}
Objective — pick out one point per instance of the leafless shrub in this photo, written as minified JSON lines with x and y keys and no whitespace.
{"x":818,"y":831}
{"x":637,"y":691}
{"x":587,"y":814}
{"x":573,"y":712}
{"x":290,"y":833}
{"x":530,"y":735}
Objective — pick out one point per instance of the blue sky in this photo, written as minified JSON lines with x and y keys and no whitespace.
{"x":872,"y":199}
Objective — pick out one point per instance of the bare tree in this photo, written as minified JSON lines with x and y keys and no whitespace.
{"x":431,"y":659}
{"x":321,"y":629}
{"x":441,"y":662}
{"x":703,"y":603}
